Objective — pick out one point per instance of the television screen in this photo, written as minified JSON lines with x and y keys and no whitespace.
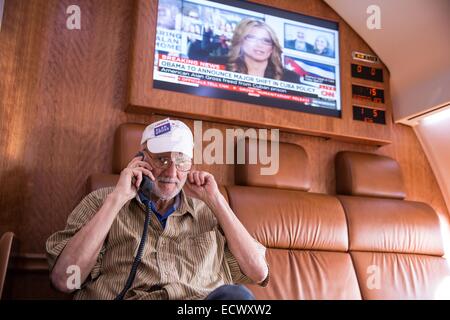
{"x":246,"y":52}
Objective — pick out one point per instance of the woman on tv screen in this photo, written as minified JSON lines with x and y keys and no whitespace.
{"x":255,"y":50}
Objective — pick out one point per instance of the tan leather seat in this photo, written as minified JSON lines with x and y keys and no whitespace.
{"x":396,"y":240}
{"x":305,"y":233}
{"x":127,"y":141}
{"x":5,"y":249}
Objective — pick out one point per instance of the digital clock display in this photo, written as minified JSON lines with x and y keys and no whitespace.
{"x":369,"y":115}
{"x":368,"y":93}
{"x":367,"y":73}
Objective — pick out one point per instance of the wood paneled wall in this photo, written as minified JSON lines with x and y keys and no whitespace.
{"x":62,"y":95}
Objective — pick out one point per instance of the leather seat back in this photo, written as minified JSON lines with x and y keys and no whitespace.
{"x":305,"y":234}
{"x":127,"y":139}
{"x":396,"y":245}
{"x":6,"y":243}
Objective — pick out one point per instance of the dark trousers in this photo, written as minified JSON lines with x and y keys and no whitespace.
{"x":231,"y":292}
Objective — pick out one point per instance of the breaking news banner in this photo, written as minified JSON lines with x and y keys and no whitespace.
{"x":250,"y":53}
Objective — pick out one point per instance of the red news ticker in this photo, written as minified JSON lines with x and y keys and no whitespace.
{"x":331,"y":88}
{"x":191,"y":62}
{"x":244,"y":89}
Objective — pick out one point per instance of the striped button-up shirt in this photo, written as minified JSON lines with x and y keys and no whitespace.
{"x":185,"y":260}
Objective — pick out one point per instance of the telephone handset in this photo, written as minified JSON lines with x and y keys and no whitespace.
{"x":146,"y":188}
{"x":147,"y":184}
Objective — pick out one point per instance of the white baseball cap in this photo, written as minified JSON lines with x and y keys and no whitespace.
{"x":168,"y":136}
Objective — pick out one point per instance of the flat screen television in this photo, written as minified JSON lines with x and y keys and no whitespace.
{"x":241,"y":51}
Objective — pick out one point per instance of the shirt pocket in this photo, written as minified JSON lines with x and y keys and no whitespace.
{"x":202,"y":258}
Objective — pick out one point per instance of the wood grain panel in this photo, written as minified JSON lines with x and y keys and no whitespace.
{"x":62,"y":98}
{"x":143,"y":98}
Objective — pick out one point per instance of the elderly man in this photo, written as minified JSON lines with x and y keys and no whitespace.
{"x":173,"y":238}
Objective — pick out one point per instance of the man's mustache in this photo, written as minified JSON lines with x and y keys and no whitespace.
{"x":168,"y":180}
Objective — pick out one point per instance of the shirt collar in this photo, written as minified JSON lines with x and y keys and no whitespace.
{"x":185,"y":204}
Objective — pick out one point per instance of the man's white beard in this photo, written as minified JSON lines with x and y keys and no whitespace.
{"x":157,"y":192}
{"x":164,"y":196}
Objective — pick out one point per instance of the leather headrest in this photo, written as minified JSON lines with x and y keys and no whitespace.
{"x":127,"y":142}
{"x":365,"y":174}
{"x":293,"y":172}
{"x":392,"y":225}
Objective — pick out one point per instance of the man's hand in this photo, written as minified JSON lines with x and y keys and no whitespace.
{"x":201,"y":185}
{"x":131,"y":178}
